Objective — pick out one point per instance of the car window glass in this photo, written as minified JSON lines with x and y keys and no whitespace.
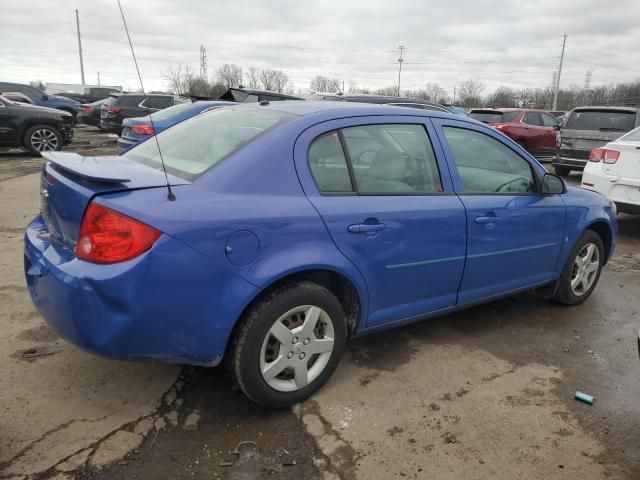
{"x":548,"y":120}
{"x":392,"y":159}
{"x":158,"y":102}
{"x":533,"y":118}
{"x":485,"y":165}
{"x":509,"y":116}
{"x":601,"y":120}
{"x":329,"y":165}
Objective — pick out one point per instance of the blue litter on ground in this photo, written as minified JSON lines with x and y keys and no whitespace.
{"x":583,"y":397}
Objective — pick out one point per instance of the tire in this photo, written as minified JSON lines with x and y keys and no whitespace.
{"x":572,"y":295}
{"x":43,"y":138}
{"x":278,"y":373}
{"x":562,"y":171}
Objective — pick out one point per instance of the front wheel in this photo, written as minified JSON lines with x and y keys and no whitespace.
{"x":43,"y":138}
{"x":582,"y":270}
{"x":288,"y":344}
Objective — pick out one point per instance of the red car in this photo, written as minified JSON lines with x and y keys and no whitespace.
{"x":535,"y":130}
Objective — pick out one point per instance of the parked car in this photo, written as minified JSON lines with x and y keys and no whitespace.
{"x":42,"y":99}
{"x":587,"y":128}
{"x":35,"y":128}
{"x":252,"y":95}
{"x":17,"y":97}
{"x":139,"y":129}
{"x":457,"y":110}
{"x":90,"y":113}
{"x":614,"y":171}
{"x":293,"y":226}
{"x":91,"y":94}
{"x":383,"y":100}
{"x":534,"y":130}
{"x":119,"y":106}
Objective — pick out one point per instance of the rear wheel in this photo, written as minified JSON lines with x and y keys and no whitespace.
{"x":582,"y":270}
{"x":562,"y":171}
{"x":43,"y":138}
{"x":288,"y":344}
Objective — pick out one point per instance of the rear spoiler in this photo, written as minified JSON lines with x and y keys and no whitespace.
{"x":88,"y":167}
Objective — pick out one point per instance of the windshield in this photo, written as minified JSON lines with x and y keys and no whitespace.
{"x":194,"y":146}
{"x":602,"y":120}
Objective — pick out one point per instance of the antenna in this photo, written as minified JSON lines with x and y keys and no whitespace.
{"x":170,"y":195}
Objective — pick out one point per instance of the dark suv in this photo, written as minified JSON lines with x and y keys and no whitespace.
{"x":126,"y":105}
{"x":38,"y":129}
{"x":586,"y":128}
{"x":40,"y":98}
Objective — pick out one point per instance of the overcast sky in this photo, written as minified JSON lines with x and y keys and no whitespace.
{"x":514,"y":43}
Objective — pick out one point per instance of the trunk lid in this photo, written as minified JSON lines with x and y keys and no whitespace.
{"x":70,"y":181}
{"x":628,"y":163}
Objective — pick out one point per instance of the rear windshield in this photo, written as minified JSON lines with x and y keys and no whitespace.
{"x":632,"y":136}
{"x":494,"y":117}
{"x":171,"y":111}
{"x":601,"y":120}
{"x":192,"y":147}
{"x":111,"y":100}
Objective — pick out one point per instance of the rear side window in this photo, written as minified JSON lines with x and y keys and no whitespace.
{"x":391,"y":159}
{"x":549,"y":120}
{"x":329,"y":165}
{"x":157,"y":102}
{"x":198,"y":144}
{"x":487,"y":166}
{"x":129,"y":100}
{"x":533,"y":118}
{"x":601,"y":120}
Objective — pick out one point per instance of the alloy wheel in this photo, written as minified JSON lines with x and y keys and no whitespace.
{"x":585,"y":269}
{"x":44,"y":140}
{"x":297,"y":348}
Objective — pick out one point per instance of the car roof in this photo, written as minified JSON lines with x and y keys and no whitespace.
{"x":346,"y":109}
{"x":382,"y":98}
{"x":256,"y":91}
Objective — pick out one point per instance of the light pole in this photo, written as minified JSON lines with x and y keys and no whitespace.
{"x":400,"y":60}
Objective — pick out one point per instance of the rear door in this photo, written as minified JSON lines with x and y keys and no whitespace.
{"x":541,"y":139}
{"x":514,"y":233}
{"x":384,"y":193}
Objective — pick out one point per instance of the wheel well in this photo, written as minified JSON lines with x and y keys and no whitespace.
{"x":603,"y":230}
{"x":336,"y":283}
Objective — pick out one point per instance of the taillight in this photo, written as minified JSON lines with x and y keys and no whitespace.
{"x":604,"y":154}
{"x":143,"y":129}
{"x":114,"y":109}
{"x":107,"y":236}
{"x":501,"y":127}
{"x":88,"y":109}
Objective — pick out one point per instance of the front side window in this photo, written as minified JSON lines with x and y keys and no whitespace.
{"x":196,"y":145}
{"x":392,"y":159}
{"x":329,"y":165}
{"x":485,"y":165}
{"x":549,"y":121}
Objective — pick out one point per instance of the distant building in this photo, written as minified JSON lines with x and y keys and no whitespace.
{"x":59,"y":88}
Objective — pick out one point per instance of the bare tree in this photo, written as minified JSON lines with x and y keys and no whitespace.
{"x":253,"y":77}
{"x":180,"y":79}
{"x":320,"y":83}
{"x":503,"y":97}
{"x":390,"y":91}
{"x":39,"y":84}
{"x":434,"y":92}
{"x":229,"y":75}
{"x":471,"y":93}
{"x":274,"y":80}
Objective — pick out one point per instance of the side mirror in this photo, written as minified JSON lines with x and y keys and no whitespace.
{"x":553,"y":185}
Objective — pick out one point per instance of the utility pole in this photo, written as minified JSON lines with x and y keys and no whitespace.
{"x":400,"y":60}
{"x":454,"y":96}
{"x":557,"y":86}
{"x":587,"y":78}
{"x":80,"y":49}
{"x":203,"y":62}
{"x":98,"y":78}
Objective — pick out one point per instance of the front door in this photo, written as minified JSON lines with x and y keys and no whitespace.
{"x":514,"y":233}
{"x":388,"y":204}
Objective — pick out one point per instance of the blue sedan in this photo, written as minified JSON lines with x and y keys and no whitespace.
{"x":291,"y":227}
{"x":139,"y":129}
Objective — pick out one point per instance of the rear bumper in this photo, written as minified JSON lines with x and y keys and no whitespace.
{"x":170,"y":303}
{"x":625,"y":192}
{"x":573,"y":163}
{"x":111,"y":126}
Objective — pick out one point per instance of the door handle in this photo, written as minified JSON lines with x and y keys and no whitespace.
{"x":488,"y":220}
{"x":366,"y":227}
